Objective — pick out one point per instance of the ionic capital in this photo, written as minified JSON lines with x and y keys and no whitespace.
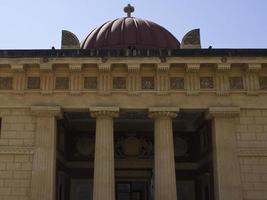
{"x":157,"y":112}
{"x":46,"y":111}
{"x":223,"y":112}
{"x":104,"y":112}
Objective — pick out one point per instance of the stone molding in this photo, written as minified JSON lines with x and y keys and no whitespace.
{"x":75,"y":67}
{"x":46,"y":111}
{"x":252,"y":152}
{"x":155,"y":112}
{"x":133,"y":67}
{"x":224,"y":112}
{"x":16,"y":150}
{"x":104,"y":111}
{"x":223,"y":67}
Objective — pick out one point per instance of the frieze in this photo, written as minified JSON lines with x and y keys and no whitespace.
{"x":6,"y":83}
{"x":177,"y":83}
{"x":236,"y":83}
{"x":148,"y":83}
{"x":90,"y":82}
{"x":33,"y":83}
{"x":119,"y":83}
{"x":62,"y":83}
{"x":206,"y":83}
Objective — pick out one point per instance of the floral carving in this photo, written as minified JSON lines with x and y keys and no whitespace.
{"x":6,"y":83}
{"x":90,"y":82}
{"x":33,"y":83}
{"x":206,"y":83}
{"x":62,"y":83}
{"x":236,"y":83}
{"x":263,"y":83}
{"x":119,"y":83}
{"x":147,"y":83}
{"x":177,"y":83}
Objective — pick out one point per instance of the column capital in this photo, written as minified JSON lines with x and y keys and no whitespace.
{"x":223,"y":67}
{"x":46,"y":111}
{"x":223,"y":112}
{"x":75,"y":67}
{"x":17,"y":68}
{"x":254,"y":67}
{"x":163,"y":67}
{"x":155,"y":112}
{"x":192,"y":67}
{"x":133,"y":67}
{"x":104,"y":111}
{"x":104,"y":67}
{"x":46,"y":67}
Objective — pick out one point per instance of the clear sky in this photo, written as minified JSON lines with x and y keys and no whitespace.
{"x":37,"y":24}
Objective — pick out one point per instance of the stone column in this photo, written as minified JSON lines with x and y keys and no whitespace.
{"x":19,"y":78}
{"x":252,"y":79}
{"x":44,"y":159}
{"x":47,"y":78}
{"x":133,"y":78}
{"x":227,"y":183}
{"x":104,"y":178}
{"x":222,"y":79}
{"x":163,"y":82}
{"x":105,"y":81}
{"x":192,"y":79}
{"x":75,"y":79}
{"x":165,"y":179}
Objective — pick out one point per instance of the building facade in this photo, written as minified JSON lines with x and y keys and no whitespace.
{"x":130,"y":113}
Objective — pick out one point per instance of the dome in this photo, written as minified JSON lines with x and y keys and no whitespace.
{"x":130,"y":32}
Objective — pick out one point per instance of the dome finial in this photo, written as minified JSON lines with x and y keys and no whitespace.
{"x":129,"y":10}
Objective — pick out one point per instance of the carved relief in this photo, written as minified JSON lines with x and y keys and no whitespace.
{"x":206,"y":83}
{"x":6,"y":83}
{"x":263,"y":82}
{"x":33,"y":83}
{"x":90,"y":82}
{"x":119,"y":83}
{"x":62,"y":83}
{"x":236,"y":83}
{"x":177,"y":83}
{"x":148,"y":83}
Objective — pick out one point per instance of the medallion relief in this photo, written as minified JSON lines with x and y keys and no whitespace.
{"x":206,"y":83}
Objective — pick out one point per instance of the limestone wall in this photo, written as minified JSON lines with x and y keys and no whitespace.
{"x":16,"y":153}
{"x":251,"y":130}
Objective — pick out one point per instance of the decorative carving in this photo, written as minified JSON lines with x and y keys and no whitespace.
{"x":192,"y":39}
{"x":148,"y":83}
{"x":69,"y":40}
{"x":62,"y":83}
{"x":119,"y":83}
{"x":90,"y":82}
{"x":33,"y":83}
{"x":206,"y":83}
{"x":6,"y":83}
{"x":133,"y":146}
{"x":177,"y":83}
{"x":236,"y":83}
{"x":263,"y":82}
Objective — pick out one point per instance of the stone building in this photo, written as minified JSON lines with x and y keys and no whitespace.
{"x":131,"y":113}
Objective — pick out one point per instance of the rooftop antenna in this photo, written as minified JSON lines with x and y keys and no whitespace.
{"x":129,"y":10}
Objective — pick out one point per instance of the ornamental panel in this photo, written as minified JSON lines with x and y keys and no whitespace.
{"x":90,"y":82}
{"x":177,"y":83}
{"x":236,"y":83}
{"x":33,"y":83}
{"x":119,"y":83}
{"x":206,"y":83}
{"x":263,"y":82}
{"x":6,"y":83}
{"x":148,"y":83}
{"x":62,"y":83}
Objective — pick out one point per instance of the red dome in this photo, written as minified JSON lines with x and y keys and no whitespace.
{"x":130,"y":32}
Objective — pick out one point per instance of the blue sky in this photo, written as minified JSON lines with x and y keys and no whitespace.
{"x":37,"y":24}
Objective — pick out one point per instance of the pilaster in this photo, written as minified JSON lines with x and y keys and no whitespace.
{"x":192,"y":79}
{"x":133,"y":79}
{"x":227,"y":181}
{"x":163,"y":82}
{"x":47,"y":78}
{"x":18,"y":78}
{"x":105,"y":81}
{"x":75,"y":79}
{"x":252,"y":79}
{"x":44,"y":159}
{"x":222,"y":82}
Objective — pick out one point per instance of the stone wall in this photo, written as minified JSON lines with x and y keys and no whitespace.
{"x":16,"y":153}
{"x":252,"y":146}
